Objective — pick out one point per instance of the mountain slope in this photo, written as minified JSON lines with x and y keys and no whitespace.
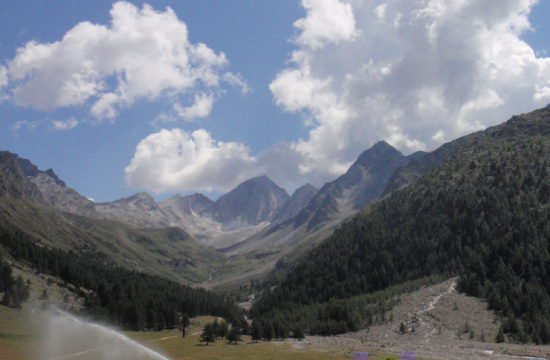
{"x":169,"y":252}
{"x":139,"y":210}
{"x":274,"y":249}
{"x":481,"y":214}
{"x":364,"y":181}
{"x":297,"y":202}
{"x":252,"y":202}
{"x":55,"y":191}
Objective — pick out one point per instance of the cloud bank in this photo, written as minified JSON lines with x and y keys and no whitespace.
{"x":142,"y":55}
{"x":414,"y":73}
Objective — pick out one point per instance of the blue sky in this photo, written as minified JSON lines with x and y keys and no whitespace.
{"x":305,"y":117}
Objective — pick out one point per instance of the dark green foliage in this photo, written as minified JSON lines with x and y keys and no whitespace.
{"x":298,"y":333}
{"x":267,"y":330}
{"x":256,"y":331}
{"x":15,"y":290}
{"x":500,"y":336}
{"x":184,"y":323}
{"x":208,"y":334}
{"x":223,"y":329}
{"x":340,"y":315}
{"x":482,"y":214}
{"x":234,"y":336}
{"x":125,"y":298}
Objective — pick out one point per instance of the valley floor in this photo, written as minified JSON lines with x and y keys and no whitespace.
{"x":439,"y":324}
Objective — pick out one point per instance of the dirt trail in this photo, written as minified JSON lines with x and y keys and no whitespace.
{"x":435,"y":318}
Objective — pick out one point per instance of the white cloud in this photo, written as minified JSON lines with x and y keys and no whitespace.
{"x":415,"y":73}
{"x":3,"y":76}
{"x":238,"y":81}
{"x":142,"y":55}
{"x":24,"y":124}
{"x":65,"y":124}
{"x":327,"y":21}
{"x":174,"y":160}
{"x":200,"y":108}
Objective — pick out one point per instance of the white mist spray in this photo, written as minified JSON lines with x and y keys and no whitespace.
{"x":68,"y":337}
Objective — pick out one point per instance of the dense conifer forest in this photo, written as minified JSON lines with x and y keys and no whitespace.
{"x":119,"y":296}
{"x":482,"y":215}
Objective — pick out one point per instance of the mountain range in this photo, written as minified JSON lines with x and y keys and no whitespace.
{"x":255,"y":231}
{"x":241,"y":223}
{"x":476,"y":208}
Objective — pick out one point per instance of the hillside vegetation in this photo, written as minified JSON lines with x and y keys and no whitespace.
{"x":482,"y":214}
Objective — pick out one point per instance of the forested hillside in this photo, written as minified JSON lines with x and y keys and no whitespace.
{"x":482,"y":214}
{"x":119,"y":296}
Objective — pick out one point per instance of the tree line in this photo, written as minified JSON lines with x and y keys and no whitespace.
{"x":15,"y":290}
{"x":482,"y":215}
{"x":122,"y":297}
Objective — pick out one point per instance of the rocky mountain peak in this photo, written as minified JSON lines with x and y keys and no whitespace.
{"x":298,"y":201}
{"x":379,"y":152}
{"x":252,"y":202}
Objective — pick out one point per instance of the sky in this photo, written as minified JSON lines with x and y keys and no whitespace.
{"x":200,"y":95}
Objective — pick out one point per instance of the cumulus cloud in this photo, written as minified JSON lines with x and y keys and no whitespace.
{"x":326,"y":21}
{"x":142,"y":54}
{"x":415,"y":73}
{"x":65,"y":124}
{"x":175,"y":160}
{"x":200,"y":108}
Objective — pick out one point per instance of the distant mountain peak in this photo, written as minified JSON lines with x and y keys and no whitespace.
{"x":306,"y":186}
{"x":140,"y":196}
{"x":252,"y":202}
{"x":55,"y":178}
{"x":262,"y":179}
{"x":378,"y":150}
{"x":297,"y":202}
{"x":196,"y":203}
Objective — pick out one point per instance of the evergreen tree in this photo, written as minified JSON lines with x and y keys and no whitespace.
{"x":267,"y":330}
{"x":256,"y":331}
{"x":223,"y":330}
{"x":298,"y":333}
{"x":234,"y":336}
{"x":184,"y":324}
{"x":208,"y":334}
{"x":500,"y":336}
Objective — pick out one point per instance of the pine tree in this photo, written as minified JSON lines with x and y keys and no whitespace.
{"x":208,"y":334}
{"x":184,"y":324}
{"x":223,"y":330}
{"x":298,"y":333}
{"x":500,"y":336}
{"x":256,"y":331}
{"x":267,"y":331}
{"x":234,"y":335}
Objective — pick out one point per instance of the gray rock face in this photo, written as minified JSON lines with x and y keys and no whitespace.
{"x":364,"y":182}
{"x":252,"y":202}
{"x":297,"y":202}
{"x":61,"y":197}
{"x":13,"y":180}
{"x":53,"y":189}
{"x":140,"y":210}
{"x":186,"y":205}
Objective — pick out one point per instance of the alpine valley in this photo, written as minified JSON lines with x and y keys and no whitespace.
{"x":468,"y":221}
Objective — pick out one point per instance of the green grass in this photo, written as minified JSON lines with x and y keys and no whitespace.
{"x":18,"y":339}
